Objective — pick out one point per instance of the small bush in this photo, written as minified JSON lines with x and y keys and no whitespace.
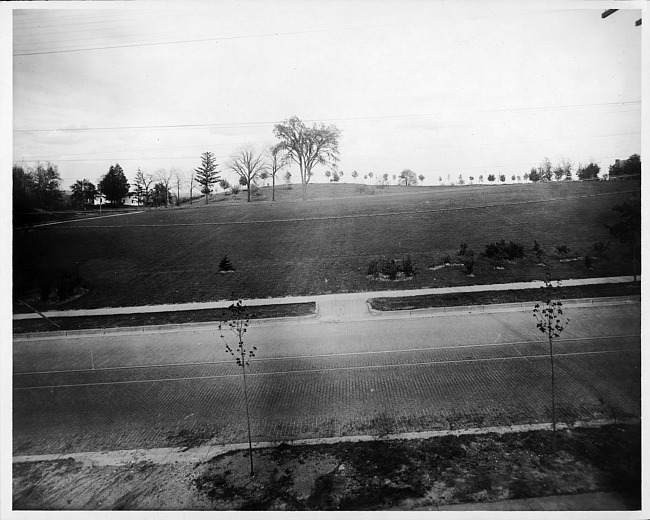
{"x":468,"y":262}
{"x":446,"y":259}
{"x":463,"y":249}
{"x":373,"y":268}
{"x":225,"y":265}
{"x":66,"y":283}
{"x":235,"y":189}
{"x":601,"y":247}
{"x":392,"y":268}
{"x":502,"y":251}
{"x":45,"y":282}
{"x":408,"y":266}
{"x":588,"y":262}
{"x":539,"y":252}
{"x":562,"y":250}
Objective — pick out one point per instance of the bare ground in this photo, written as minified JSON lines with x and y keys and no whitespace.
{"x":351,"y":476}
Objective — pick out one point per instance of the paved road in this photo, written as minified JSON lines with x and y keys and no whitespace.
{"x":321,"y":379}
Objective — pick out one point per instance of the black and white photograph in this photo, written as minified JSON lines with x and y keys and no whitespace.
{"x":323,"y":256}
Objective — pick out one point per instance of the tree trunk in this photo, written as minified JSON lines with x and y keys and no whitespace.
{"x":248,"y":420}
{"x":550,"y":342}
{"x":249,"y":190}
{"x":273,"y":191}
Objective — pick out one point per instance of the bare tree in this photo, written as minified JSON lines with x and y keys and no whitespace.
{"x":545,"y":169}
{"x":191,"y":184}
{"x":164,"y":177}
{"x":308,"y":147}
{"x":248,"y":165}
{"x":179,"y":182}
{"x":276,"y":161}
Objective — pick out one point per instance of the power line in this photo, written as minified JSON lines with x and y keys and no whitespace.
{"x":213,"y":39}
{"x":260,"y":35}
{"x":424,"y":148}
{"x":359,"y":118}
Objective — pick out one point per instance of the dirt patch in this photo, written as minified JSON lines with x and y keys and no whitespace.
{"x":352,"y":476}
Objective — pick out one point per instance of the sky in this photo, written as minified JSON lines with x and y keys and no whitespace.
{"x":444,"y":89}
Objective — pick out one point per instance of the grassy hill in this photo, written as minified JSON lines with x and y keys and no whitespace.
{"x":323,"y":245}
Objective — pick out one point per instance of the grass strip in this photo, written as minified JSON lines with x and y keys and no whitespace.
{"x":426,"y":301}
{"x":160,"y":318}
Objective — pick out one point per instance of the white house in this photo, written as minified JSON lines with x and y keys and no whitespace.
{"x":131,"y":199}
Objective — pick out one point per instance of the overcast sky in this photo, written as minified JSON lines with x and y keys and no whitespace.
{"x":441,"y":88}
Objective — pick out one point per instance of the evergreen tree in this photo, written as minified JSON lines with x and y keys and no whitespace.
{"x":206,"y":175}
{"x":142,"y":190}
{"x":114,"y":185}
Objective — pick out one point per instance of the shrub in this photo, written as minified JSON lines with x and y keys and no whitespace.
{"x":468,"y":262}
{"x":373,"y":268}
{"x":45,"y":283}
{"x":408,"y":266}
{"x":601,"y":247}
{"x":66,"y":283}
{"x":562,"y":250}
{"x":225,"y":265}
{"x":390,"y":269}
{"x":446,"y":259}
{"x":235,"y":189}
{"x":502,"y":251}
{"x":539,"y":252}
{"x":588,"y":262}
{"x":463,"y":249}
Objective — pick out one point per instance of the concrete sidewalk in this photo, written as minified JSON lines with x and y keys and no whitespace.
{"x":207,"y":451}
{"x":330,"y":305}
{"x":599,"y":501}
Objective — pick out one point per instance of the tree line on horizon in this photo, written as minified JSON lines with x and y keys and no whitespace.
{"x":306,"y":147}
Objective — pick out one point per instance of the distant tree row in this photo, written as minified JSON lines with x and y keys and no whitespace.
{"x":628,"y":167}
{"x":545,"y":171}
{"x":36,"y":187}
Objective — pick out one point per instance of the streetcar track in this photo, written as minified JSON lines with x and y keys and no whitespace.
{"x":332,"y":369}
{"x":328,"y":355}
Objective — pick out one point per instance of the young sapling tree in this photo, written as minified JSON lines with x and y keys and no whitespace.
{"x":550,"y":321}
{"x":237,"y":325}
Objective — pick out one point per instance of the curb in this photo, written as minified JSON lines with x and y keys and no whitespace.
{"x":206,"y":452}
{"x":152,"y":329}
{"x":316,"y":317}
{"x":502,"y":307}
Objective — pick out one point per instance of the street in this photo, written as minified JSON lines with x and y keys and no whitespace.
{"x":321,"y":379}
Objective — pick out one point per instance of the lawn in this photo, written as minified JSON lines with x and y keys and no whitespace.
{"x":322,"y":245}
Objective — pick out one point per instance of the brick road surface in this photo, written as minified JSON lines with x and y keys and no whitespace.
{"x":321,"y":379}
